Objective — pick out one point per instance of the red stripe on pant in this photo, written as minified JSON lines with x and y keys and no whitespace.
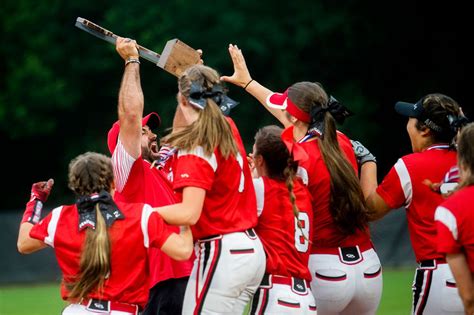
{"x":263,"y":305}
{"x":212,"y":268}
{"x":425,"y":292}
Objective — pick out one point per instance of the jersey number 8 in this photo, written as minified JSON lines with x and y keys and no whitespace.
{"x":302,"y":233}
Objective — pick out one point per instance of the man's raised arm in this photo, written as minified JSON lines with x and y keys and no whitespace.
{"x":130,"y":102}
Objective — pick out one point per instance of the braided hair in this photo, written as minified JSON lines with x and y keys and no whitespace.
{"x":90,"y":173}
{"x":279,"y":163}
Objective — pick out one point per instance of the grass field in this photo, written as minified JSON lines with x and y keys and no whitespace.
{"x":44,"y":299}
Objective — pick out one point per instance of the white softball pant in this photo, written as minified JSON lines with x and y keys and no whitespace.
{"x":283,"y":295}
{"x":226,"y":274}
{"x":349,"y":282}
{"x":434,"y":290}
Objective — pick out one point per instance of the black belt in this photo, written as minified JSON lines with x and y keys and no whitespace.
{"x":431,"y":263}
{"x":299,"y":285}
{"x":250,"y":232}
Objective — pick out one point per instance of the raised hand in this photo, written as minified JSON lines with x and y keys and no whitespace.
{"x":127,"y":48}
{"x":201,"y":61}
{"x":241,"y":76}
{"x":39,"y":194}
{"x":41,"y":190}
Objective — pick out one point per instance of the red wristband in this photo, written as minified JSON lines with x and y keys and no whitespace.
{"x":32,"y":212}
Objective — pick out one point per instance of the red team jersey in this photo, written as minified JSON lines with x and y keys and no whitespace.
{"x":286,"y":245}
{"x":130,"y":238}
{"x":138,"y":182}
{"x":314,"y":172}
{"x":455,"y":225}
{"x":403,"y":187}
{"x":230,"y":202}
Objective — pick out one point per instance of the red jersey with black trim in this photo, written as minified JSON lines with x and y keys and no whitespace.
{"x":130,"y":238}
{"x":315,"y":174}
{"x":455,"y":225}
{"x":403,"y":187}
{"x":286,"y":245}
{"x":229,"y":205}
{"x":137,"y":181}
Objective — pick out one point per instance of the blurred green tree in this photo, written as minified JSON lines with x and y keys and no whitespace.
{"x":59,"y":85}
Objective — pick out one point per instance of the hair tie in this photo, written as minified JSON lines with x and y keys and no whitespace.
{"x":86,"y":208}
{"x":457,"y":122}
{"x":198,"y":96}
{"x":338,"y":111}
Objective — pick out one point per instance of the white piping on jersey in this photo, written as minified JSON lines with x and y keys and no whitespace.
{"x":259,"y":186}
{"x":53,"y":224}
{"x":122,"y":164}
{"x":438,"y":147}
{"x":199,"y":152}
{"x":146,"y":213}
{"x":405,"y":181}
{"x":446,"y":217}
{"x":309,"y":137}
{"x":306,"y":138}
{"x":242,"y":178}
{"x":302,"y":173}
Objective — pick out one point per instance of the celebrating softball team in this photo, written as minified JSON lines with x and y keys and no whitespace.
{"x":201,"y":227}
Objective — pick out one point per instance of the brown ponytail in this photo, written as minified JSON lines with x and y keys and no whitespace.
{"x":211,"y":129}
{"x":90,"y":173}
{"x":95,"y":261}
{"x":347,"y":204}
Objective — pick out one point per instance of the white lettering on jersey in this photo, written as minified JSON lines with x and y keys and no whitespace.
{"x":303,"y":174}
{"x":302,"y":234}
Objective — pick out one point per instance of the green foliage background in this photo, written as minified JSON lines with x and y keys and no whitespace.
{"x":59,"y":85}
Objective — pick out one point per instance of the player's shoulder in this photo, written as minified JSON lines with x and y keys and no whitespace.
{"x":273,"y":188}
{"x":130,"y":209}
{"x":414,"y":159}
{"x":429,"y":157}
{"x":230,"y":121}
{"x":65,"y":211}
{"x":461,"y":200}
{"x":341,"y":137}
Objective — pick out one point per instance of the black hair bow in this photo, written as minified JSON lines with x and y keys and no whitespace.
{"x":198,"y":95}
{"x":336,"y":109}
{"x":86,"y":208}
{"x":457,"y":122}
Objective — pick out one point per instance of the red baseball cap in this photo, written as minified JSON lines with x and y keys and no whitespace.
{"x":282,"y":101}
{"x":152,"y":120}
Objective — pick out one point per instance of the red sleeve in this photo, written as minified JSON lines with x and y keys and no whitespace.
{"x":158,"y":230}
{"x":40,"y":230}
{"x":194,"y":170}
{"x":390,"y":190}
{"x":446,"y":243}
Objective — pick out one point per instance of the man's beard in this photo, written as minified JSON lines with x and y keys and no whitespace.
{"x":150,"y":152}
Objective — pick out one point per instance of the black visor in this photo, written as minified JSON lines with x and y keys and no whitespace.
{"x":414,"y":110}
